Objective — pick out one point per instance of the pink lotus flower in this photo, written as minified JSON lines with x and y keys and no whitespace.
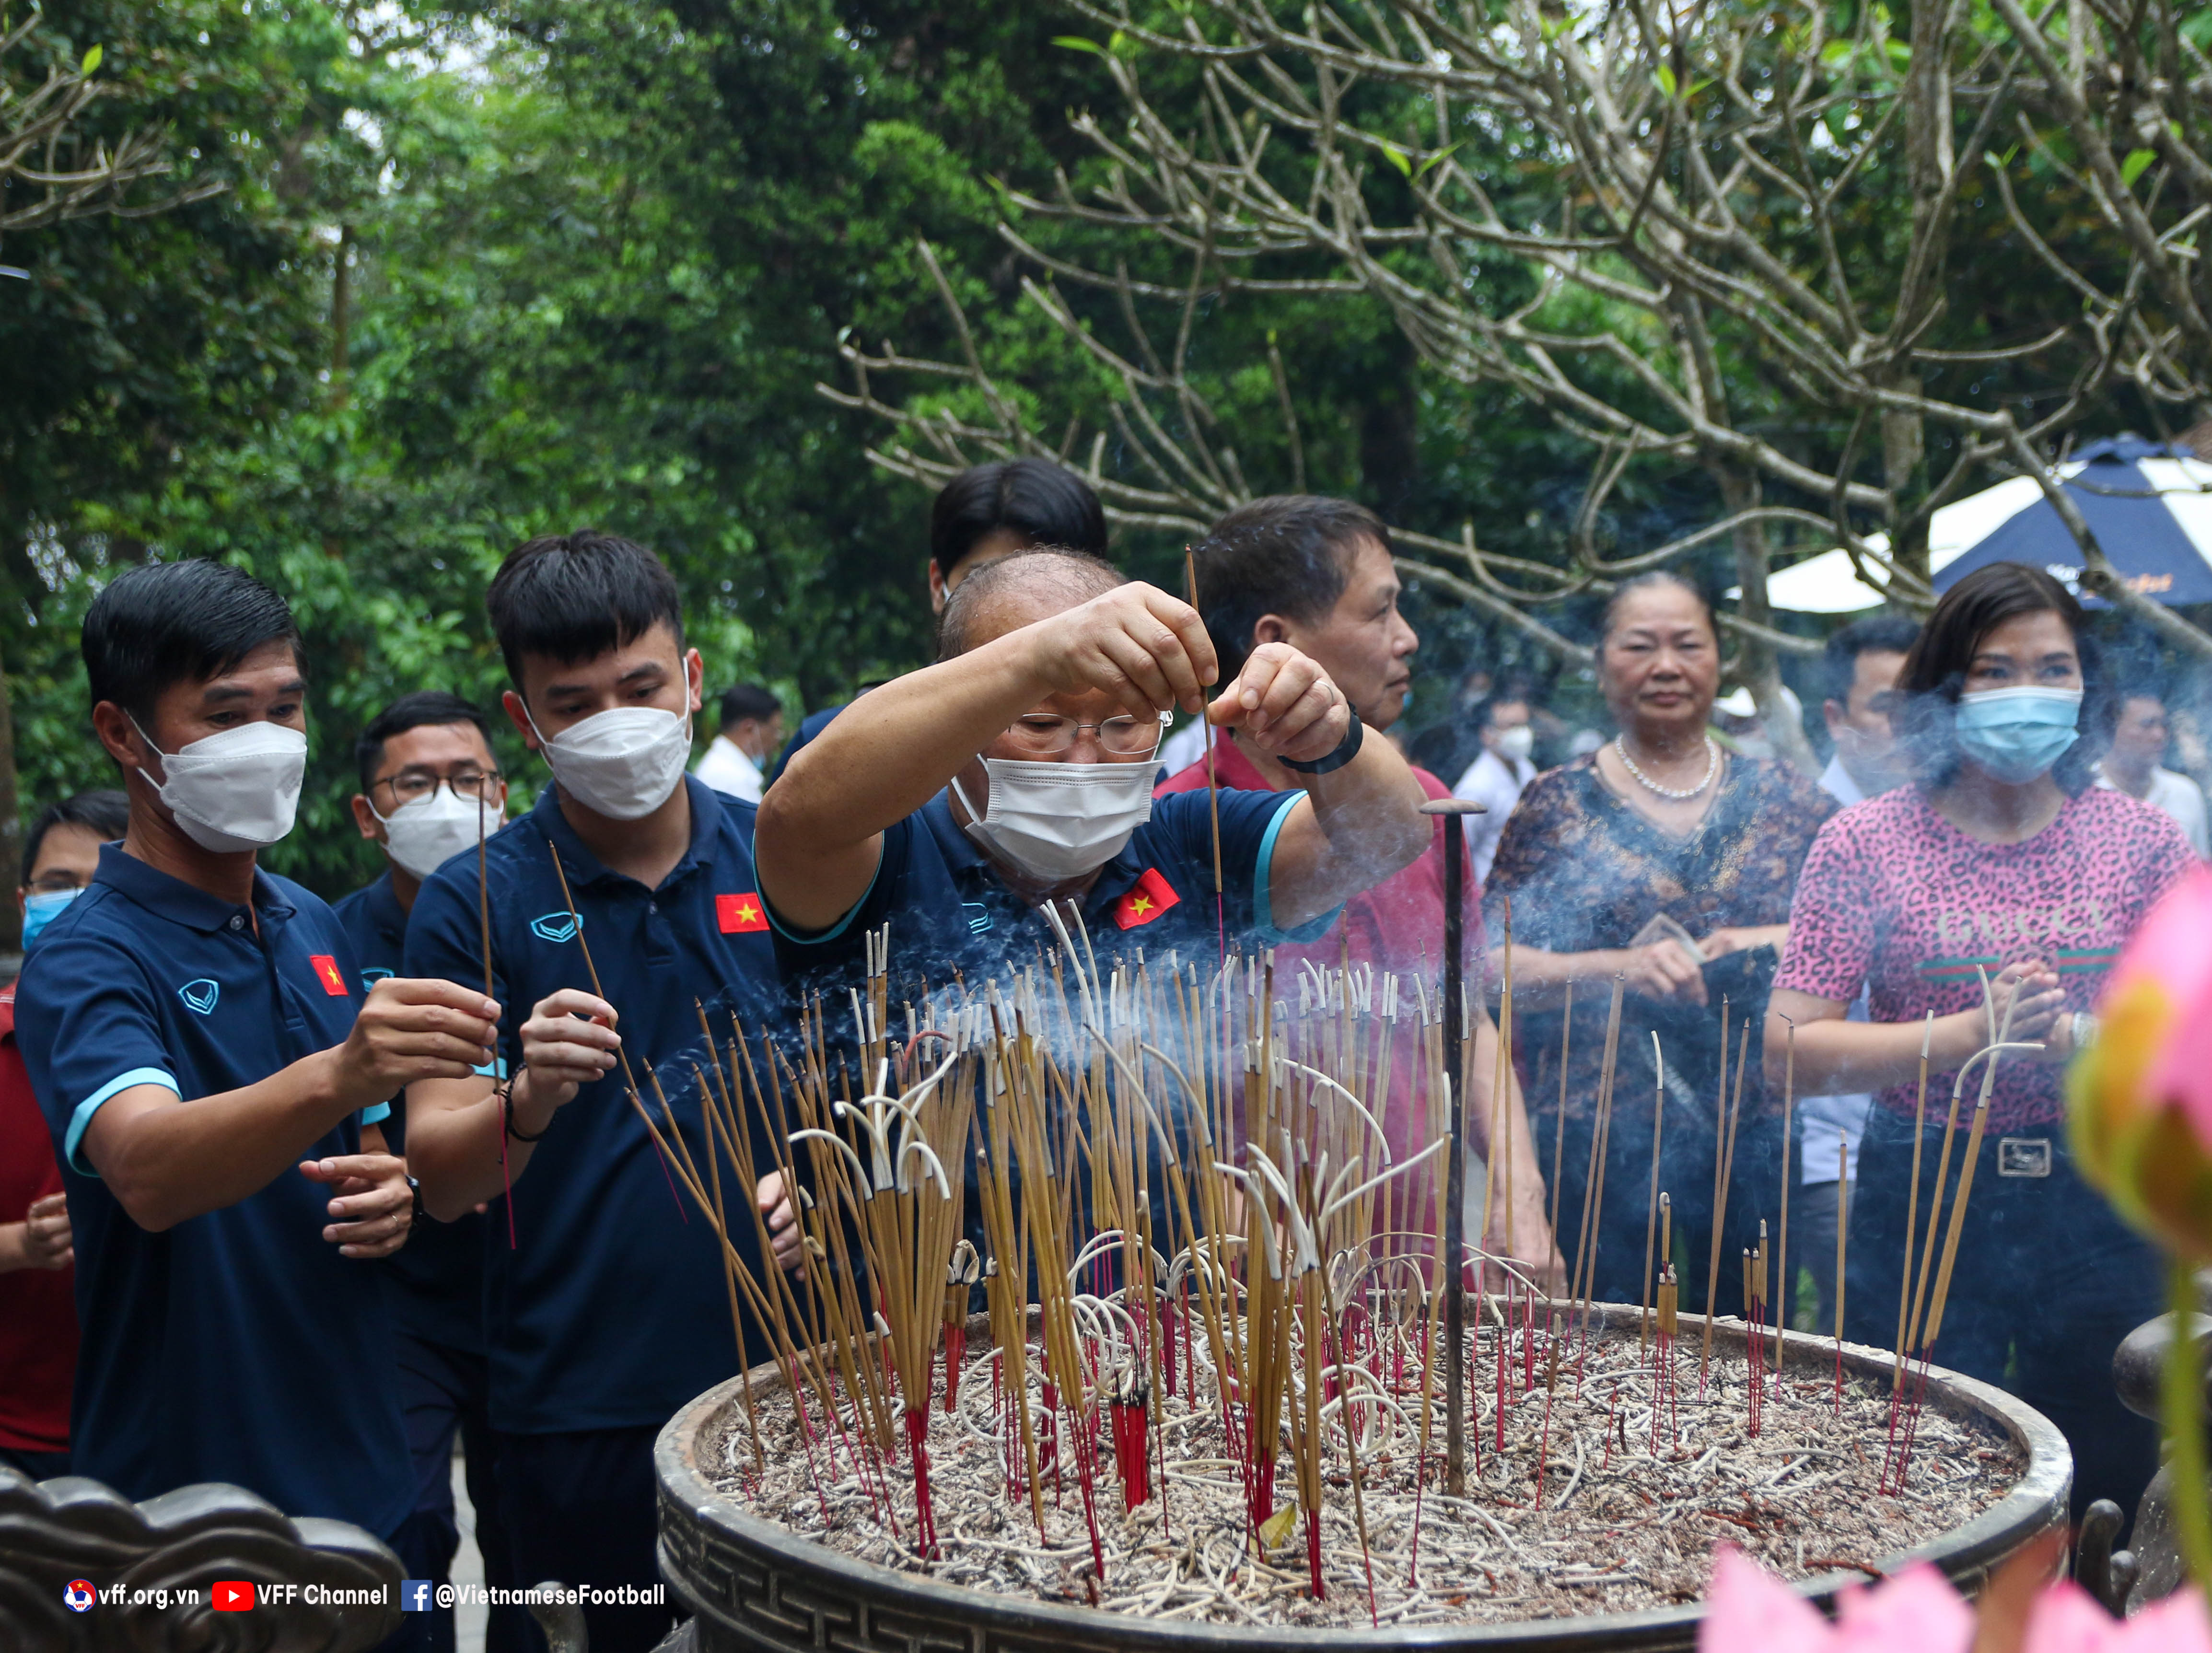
{"x":2139,"y":1098}
{"x":1749,"y":1610}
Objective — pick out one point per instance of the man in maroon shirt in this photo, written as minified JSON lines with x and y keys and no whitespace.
{"x":1317,"y":573}
{"x":38,"y":1281}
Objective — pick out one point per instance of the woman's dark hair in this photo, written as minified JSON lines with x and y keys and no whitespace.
{"x":107,"y":812}
{"x":166,"y":623}
{"x":1047,"y":504}
{"x":1288,"y":555}
{"x":1654,"y":580}
{"x":1935,"y":671}
{"x":573,"y":598}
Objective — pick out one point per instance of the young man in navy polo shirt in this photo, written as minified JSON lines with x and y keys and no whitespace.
{"x":606,"y":1309}
{"x":208,"y":1064}
{"x":1019,"y":769}
{"x":429,"y":787}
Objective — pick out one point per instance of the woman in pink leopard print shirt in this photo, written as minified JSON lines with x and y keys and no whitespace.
{"x":2002,"y":858}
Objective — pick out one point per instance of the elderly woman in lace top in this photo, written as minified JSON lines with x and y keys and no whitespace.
{"x":1665,"y":863}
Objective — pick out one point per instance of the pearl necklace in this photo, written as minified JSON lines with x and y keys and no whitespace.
{"x":1678,"y":793}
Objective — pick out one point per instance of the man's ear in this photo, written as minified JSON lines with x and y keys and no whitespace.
{"x":519,"y":715}
{"x":695,"y":676}
{"x":937,"y":588}
{"x":364,"y":817}
{"x":1835,"y":716}
{"x":1270,"y":628}
{"x":113,"y":725}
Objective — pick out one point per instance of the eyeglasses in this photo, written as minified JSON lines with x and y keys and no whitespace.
{"x":412,"y":785}
{"x":1046,"y":736}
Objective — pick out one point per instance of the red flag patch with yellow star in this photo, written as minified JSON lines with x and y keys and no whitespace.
{"x":739,"y":914}
{"x":1151,"y":895}
{"x":328,"y":973}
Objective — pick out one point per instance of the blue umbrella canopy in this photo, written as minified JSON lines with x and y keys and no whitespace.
{"x":2149,"y":506}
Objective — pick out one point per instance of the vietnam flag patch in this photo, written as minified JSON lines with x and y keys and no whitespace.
{"x":1151,"y":895}
{"x":739,"y":914}
{"x":328,"y":973}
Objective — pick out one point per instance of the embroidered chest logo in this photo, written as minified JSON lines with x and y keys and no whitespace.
{"x":741,"y":914}
{"x":555,"y":927}
{"x":328,"y":973}
{"x":373,"y":974}
{"x":200,"y":996}
{"x":1151,"y":895}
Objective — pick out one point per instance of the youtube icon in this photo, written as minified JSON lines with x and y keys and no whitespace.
{"x":231,"y":1595}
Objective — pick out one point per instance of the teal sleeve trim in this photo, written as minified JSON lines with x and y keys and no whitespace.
{"x":91,"y":1105}
{"x":494,"y":1069}
{"x":377,"y":1114}
{"x":835,"y":930}
{"x":1263,"y":912}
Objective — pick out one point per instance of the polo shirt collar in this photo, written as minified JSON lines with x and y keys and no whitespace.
{"x":584,"y":867}
{"x":1234,"y":770}
{"x":384,"y":908}
{"x":173,"y":898}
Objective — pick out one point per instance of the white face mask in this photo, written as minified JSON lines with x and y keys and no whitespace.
{"x":623,"y":762}
{"x":236,"y":790}
{"x":1514,"y":745}
{"x":1059,"y":821}
{"x":423,"y":835}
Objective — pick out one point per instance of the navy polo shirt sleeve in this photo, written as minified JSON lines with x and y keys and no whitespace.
{"x":1251,"y":823}
{"x":90,"y":1029}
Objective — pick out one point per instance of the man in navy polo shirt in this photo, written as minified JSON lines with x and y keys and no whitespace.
{"x":1018,"y":770}
{"x":190,"y":1023}
{"x":606,"y":1307}
{"x":429,"y":788}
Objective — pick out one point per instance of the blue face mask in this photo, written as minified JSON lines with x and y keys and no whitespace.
{"x":41,"y":909}
{"x":2016,"y":734}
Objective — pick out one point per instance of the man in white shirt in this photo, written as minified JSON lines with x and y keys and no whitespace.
{"x":1501,"y":772}
{"x":2134,"y":766}
{"x":752,"y":733}
{"x":1863,"y":661}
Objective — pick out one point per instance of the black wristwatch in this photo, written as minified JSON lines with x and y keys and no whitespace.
{"x":415,"y":1189}
{"x":1347,"y":750}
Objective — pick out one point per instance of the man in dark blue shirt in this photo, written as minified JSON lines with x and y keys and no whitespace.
{"x":1017,"y":771}
{"x":605,"y":1309}
{"x":189,"y":1025}
{"x":429,"y":789}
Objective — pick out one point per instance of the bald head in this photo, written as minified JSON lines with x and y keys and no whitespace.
{"x":1018,"y":590}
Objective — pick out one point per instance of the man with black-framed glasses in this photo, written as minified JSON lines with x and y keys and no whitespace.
{"x":429,"y":785}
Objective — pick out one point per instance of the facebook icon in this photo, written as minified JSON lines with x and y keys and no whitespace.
{"x":415,"y":1595}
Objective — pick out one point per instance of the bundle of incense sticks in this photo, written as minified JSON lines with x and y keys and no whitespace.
{"x":1170,"y":1178}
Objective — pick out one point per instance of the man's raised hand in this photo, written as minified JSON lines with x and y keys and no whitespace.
{"x":1285,"y":704}
{"x":411,"y":1030}
{"x":569,"y":1041}
{"x":1146,"y":649}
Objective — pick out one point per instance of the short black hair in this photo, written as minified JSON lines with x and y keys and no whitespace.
{"x":1877,"y":633}
{"x":1515,"y":696}
{"x":574,"y":597}
{"x":424,"y":707}
{"x":1935,"y":672}
{"x":1047,"y":504}
{"x":749,"y":700}
{"x":106,"y":811}
{"x":167,"y":622}
{"x":1290,"y":554}
{"x":1074,"y":575}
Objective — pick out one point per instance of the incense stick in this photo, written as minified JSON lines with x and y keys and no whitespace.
{"x":1651,"y":1211}
{"x":1913,"y":1205}
{"x":1212,"y":779}
{"x":1782,"y":1291}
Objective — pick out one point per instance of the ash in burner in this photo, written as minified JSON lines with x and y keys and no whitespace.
{"x":1592,"y":1506}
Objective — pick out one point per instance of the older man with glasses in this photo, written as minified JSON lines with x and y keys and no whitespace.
{"x":429,"y":787}
{"x":1018,"y":771}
